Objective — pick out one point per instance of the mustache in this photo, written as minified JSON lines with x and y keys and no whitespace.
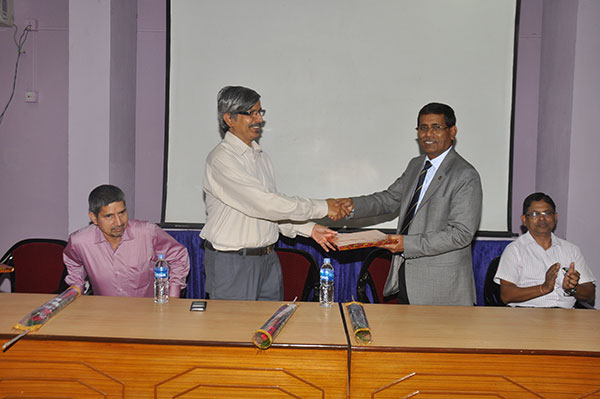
{"x":258,"y":125}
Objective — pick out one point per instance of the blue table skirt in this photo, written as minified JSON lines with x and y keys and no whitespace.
{"x":347,"y":264}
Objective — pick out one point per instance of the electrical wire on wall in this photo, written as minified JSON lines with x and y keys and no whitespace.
{"x":20,"y":43}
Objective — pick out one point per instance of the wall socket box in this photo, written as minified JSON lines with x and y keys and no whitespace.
{"x":32,"y":23}
{"x":31,"y":96}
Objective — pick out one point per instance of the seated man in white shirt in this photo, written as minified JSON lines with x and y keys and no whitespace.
{"x":540,"y":269}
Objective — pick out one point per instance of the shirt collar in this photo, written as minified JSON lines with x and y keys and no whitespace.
{"x":437,"y":161}
{"x":99,"y":235}
{"x":532,"y":241}
{"x":238,"y":145}
{"x":127,"y":235}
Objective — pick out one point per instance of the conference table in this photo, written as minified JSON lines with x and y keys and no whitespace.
{"x":477,"y":352}
{"x":133,"y":348}
{"x":110,"y":347}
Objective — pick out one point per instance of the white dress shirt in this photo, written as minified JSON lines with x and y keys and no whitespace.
{"x":244,"y":209}
{"x":524,"y":262}
{"x":435,"y":164}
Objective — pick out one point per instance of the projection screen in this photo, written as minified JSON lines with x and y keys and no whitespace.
{"x":342,"y":82}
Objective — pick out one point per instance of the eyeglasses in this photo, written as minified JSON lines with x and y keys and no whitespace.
{"x":536,"y":214}
{"x":254,"y":114}
{"x":434,"y":128}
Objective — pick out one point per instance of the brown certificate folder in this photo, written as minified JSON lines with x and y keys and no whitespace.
{"x":362,"y":239}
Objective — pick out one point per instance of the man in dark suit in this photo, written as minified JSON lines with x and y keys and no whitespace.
{"x":438,"y":217}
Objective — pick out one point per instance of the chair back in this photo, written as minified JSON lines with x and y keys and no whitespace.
{"x":491,"y":290}
{"x":300,"y":275}
{"x":373,"y":275}
{"x":38,"y":266}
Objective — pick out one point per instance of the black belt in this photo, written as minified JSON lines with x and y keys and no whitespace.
{"x":244,"y":251}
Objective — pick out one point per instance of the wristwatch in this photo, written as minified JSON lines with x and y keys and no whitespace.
{"x":571,"y":292}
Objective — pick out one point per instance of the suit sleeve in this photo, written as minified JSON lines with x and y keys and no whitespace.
{"x":383,"y":202}
{"x":457,"y":229}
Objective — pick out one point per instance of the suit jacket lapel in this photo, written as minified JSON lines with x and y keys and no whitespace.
{"x":410,"y":186}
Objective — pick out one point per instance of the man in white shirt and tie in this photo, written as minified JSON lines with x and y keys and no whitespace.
{"x":432,"y":262}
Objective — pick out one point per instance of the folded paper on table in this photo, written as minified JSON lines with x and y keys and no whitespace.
{"x":360,"y":325}
{"x":264,"y":336}
{"x":362,"y":239}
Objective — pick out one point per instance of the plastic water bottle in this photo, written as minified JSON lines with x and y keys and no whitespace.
{"x":161,"y":280}
{"x":326,"y":288}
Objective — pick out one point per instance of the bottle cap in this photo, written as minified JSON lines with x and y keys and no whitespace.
{"x":326,"y":260}
{"x":161,"y":257}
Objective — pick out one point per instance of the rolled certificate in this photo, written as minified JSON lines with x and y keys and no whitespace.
{"x":41,"y":315}
{"x":360,"y":324}
{"x":264,"y":336}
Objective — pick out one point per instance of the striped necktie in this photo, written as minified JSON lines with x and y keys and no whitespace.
{"x":410,"y":213}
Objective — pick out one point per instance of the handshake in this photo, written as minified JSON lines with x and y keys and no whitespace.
{"x":339,"y":208}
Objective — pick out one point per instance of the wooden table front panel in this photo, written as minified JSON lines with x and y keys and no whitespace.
{"x":477,"y":352}
{"x":44,"y":369}
{"x":447,"y":375}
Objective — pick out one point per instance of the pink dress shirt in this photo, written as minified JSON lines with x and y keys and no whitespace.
{"x":128,"y":271}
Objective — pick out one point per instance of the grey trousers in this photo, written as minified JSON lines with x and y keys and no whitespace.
{"x":249,"y":278}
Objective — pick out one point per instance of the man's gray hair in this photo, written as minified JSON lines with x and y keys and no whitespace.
{"x":104,"y":195}
{"x":234,"y":99}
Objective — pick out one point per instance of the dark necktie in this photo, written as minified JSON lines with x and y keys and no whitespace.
{"x":410,"y":214}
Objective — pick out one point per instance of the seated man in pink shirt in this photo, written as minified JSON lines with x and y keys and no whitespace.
{"x":118,"y":254}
